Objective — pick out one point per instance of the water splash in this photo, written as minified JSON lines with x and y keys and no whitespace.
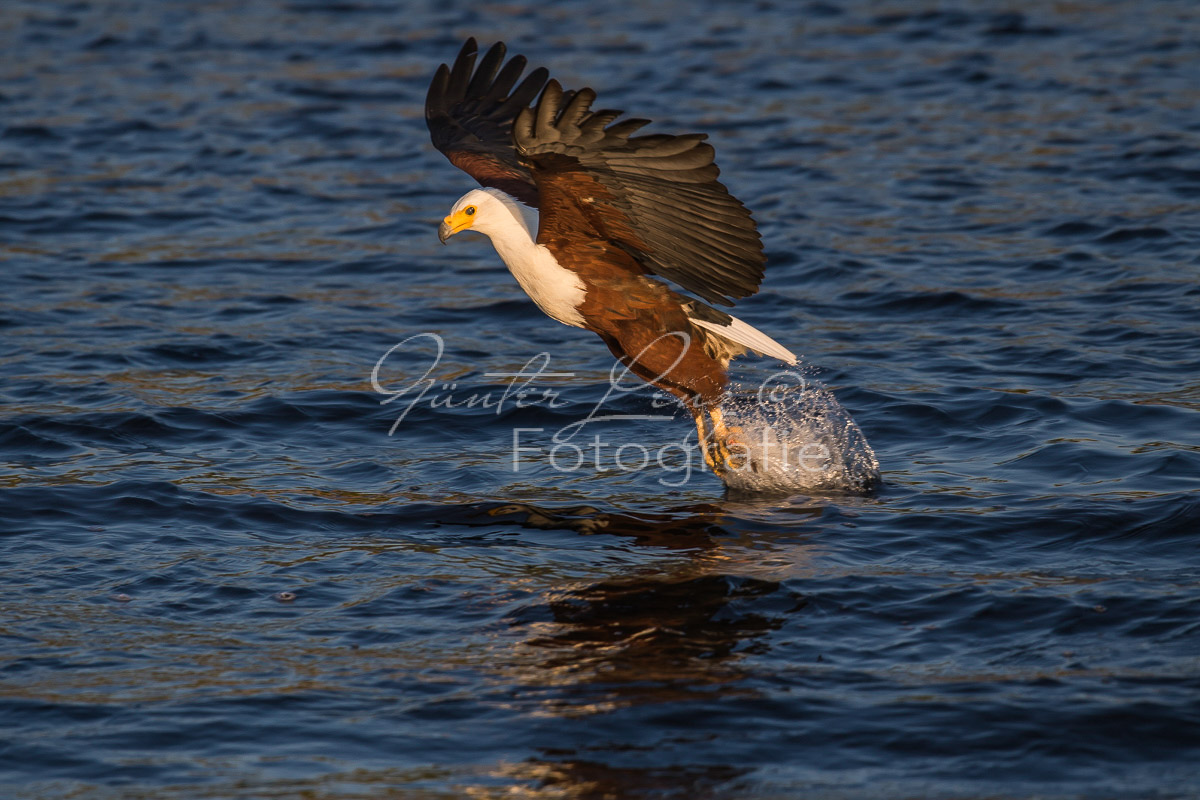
{"x":793,"y":435}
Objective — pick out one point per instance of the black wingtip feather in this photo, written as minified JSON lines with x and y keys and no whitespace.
{"x":437,"y":91}
{"x":485,"y":73}
{"x":460,"y":73}
{"x":502,"y":86}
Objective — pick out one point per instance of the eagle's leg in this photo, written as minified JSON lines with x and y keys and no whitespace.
{"x":705,"y":440}
{"x":722,"y":436}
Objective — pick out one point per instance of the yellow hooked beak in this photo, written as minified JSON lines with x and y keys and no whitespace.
{"x":458,"y":221}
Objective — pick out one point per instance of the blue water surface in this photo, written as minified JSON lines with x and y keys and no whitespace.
{"x":244,"y":556}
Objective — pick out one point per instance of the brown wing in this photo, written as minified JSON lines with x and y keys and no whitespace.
{"x":656,"y":197}
{"x":470,"y":115}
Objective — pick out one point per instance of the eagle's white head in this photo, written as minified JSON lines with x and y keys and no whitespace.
{"x":490,"y":212}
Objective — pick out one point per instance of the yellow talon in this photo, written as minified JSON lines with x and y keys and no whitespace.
{"x":703,"y":439}
{"x":715,"y":443}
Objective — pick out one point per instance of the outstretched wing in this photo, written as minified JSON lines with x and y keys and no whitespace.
{"x":470,"y":114}
{"x":656,"y":197}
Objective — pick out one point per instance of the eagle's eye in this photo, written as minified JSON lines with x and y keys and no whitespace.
{"x":469,"y":211}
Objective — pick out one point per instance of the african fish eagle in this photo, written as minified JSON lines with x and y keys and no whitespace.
{"x":584,"y":215}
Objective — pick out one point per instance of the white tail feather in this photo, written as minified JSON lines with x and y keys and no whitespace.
{"x":749,"y":336}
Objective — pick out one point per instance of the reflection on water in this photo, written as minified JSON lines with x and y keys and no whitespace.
{"x":666,"y":636}
{"x":598,"y":780}
{"x":648,"y":639}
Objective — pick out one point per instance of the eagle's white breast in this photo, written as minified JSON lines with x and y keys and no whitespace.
{"x":512,"y":226}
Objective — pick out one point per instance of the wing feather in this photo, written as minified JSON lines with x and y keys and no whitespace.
{"x":470,"y":112}
{"x":485,"y":74}
{"x":661,"y":201}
